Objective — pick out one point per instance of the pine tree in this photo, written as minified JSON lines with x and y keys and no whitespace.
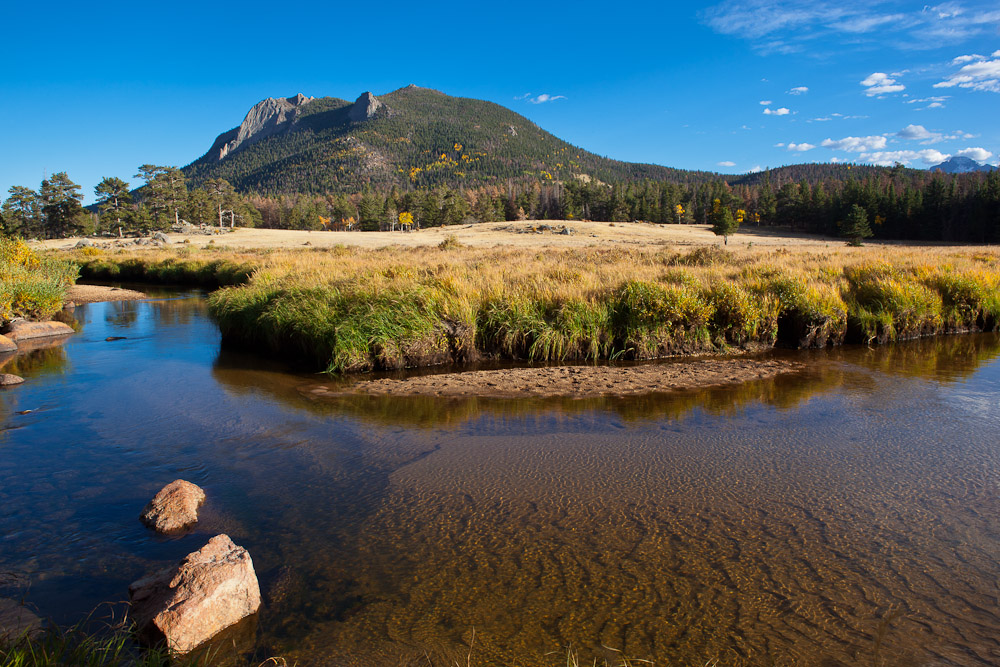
{"x":855,"y":225}
{"x":61,"y":210}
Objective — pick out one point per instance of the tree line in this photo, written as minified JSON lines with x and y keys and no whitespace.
{"x":889,"y":204}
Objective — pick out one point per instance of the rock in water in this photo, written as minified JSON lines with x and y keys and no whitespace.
{"x":19,"y":330}
{"x":17,"y":620}
{"x":175,"y":507}
{"x":188,"y":604}
{"x":6,"y":379}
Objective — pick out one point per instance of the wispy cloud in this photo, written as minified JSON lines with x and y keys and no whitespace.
{"x":855,"y":144}
{"x":777,"y":112}
{"x":800,"y":148}
{"x":880,"y":83}
{"x":726,"y":163}
{"x":539,"y":99}
{"x":765,"y":103}
{"x":935,"y":102}
{"x":980,"y":73}
{"x":798,"y":90}
{"x":791,"y":26}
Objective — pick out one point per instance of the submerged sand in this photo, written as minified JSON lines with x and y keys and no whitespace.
{"x":572,"y":381}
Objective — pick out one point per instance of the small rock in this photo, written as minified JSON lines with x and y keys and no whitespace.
{"x":161,"y":237}
{"x":19,"y":330}
{"x":7,"y":345}
{"x":17,"y":620}
{"x":175,"y":507}
{"x":6,"y":379}
{"x":84,"y":243}
{"x":187,"y":604}
{"x":113,"y":338}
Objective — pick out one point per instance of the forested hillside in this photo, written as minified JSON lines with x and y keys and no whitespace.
{"x":416,"y":138}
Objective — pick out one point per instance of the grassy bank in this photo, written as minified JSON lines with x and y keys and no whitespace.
{"x":346,"y":309}
{"x":31,"y":286}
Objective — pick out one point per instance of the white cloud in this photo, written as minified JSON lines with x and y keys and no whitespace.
{"x":798,"y":90}
{"x":777,"y":112}
{"x":754,"y":169}
{"x":977,"y":154}
{"x":765,"y":103}
{"x":855,"y":144}
{"x":880,"y":83}
{"x":821,"y":119}
{"x":919,"y":133}
{"x":800,"y":148}
{"x":545,"y":97}
{"x":995,"y":54}
{"x":979,"y":74}
{"x":523,"y":97}
{"x":727,"y":163}
{"x":928,"y":156}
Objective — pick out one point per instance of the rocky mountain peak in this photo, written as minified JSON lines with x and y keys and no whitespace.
{"x":364,"y":108}
{"x":267,"y":117}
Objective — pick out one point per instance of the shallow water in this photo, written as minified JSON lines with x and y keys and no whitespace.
{"x":846,"y":515}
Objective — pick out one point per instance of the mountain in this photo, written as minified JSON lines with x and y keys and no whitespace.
{"x":961,"y":165}
{"x":411,"y":137}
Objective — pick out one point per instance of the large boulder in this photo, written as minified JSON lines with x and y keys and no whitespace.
{"x":7,"y":345}
{"x":175,"y":507}
{"x":188,"y":604}
{"x":18,"y":330}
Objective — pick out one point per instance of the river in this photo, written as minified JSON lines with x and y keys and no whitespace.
{"x":848,"y":514}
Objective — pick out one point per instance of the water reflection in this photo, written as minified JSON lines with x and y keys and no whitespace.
{"x":843,"y":515}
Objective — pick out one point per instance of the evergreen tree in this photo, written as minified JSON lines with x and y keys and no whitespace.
{"x":723,"y":223}
{"x":855,"y":225}
{"x":61,"y":210}
{"x":113,"y":197}
{"x":22,"y":212}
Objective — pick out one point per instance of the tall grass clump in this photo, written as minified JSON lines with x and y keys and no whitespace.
{"x":970,"y":300}
{"x":31,"y":286}
{"x":809,"y":314}
{"x":887,"y":303}
{"x":652,"y":320}
{"x":349,"y":327}
{"x":537,"y":329}
{"x":741,"y":316}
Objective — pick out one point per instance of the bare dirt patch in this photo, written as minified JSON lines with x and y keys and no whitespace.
{"x":572,"y":381}
{"x":96,"y":293}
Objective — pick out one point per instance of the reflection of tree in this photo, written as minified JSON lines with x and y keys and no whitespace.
{"x":47,"y":360}
{"x":942,"y":359}
{"x":121,"y":313}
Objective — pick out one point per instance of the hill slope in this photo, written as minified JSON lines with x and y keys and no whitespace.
{"x":412,"y":137}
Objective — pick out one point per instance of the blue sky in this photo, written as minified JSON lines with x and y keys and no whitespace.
{"x":733,"y":86}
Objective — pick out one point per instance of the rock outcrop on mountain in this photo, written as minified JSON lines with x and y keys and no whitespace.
{"x":364,"y":108}
{"x":266,"y":118}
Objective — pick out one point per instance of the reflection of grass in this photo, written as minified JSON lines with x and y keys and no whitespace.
{"x":357,"y":309}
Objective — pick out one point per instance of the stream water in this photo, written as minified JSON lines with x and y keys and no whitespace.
{"x":846,"y":515}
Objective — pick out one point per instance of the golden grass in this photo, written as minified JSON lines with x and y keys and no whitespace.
{"x":357,"y":309}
